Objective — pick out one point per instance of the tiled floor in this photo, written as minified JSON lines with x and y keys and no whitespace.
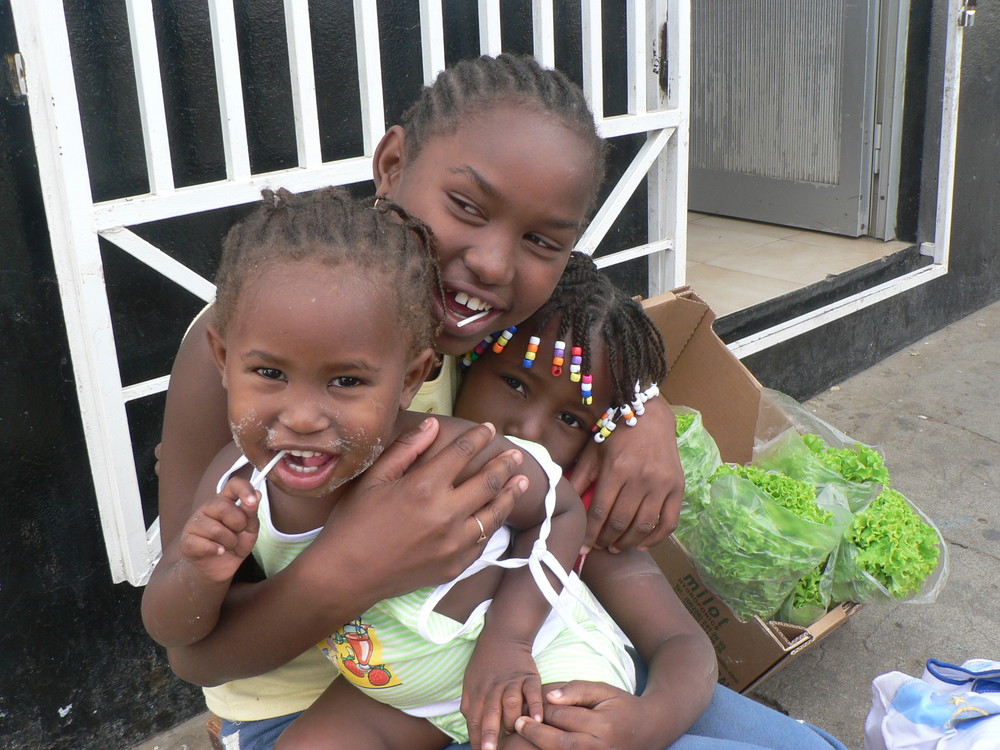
{"x":733,"y":264}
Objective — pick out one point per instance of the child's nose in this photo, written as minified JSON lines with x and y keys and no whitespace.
{"x":303,"y":416}
{"x":492,"y":261}
{"x":527,"y":426}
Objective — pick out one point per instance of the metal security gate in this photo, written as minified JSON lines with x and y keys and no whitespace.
{"x":657,"y":57}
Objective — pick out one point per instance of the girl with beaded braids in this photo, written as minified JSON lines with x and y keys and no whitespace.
{"x":322,"y":333}
{"x":532,"y":383}
{"x":501,"y":158}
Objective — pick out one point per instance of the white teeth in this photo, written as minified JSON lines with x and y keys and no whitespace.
{"x":477,"y":304}
{"x":303,"y":469}
{"x":305,"y":454}
{"x":473,"y":303}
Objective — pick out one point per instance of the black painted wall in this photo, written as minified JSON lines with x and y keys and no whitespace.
{"x":76,"y":668}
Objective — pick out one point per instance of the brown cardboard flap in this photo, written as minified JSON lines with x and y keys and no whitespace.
{"x":704,"y":374}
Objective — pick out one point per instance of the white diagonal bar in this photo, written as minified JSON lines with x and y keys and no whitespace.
{"x":149,"y":88}
{"x":789,"y":329}
{"x":159,"y":261}
{"x":230,"y":89}
{"x":622,"y":191}
{"x":303,"y":77}
{"x":618,"y":125}
{"x":543,"y":29}
{"x":369,"y":73}
{"x":431,"y":39}
{"x":490,"y":42}
{"x":639,"y":251}
{"x":145,"y":388}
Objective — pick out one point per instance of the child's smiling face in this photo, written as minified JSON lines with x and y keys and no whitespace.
{"x":506,"y":195}
{"x":313,"y":364}
{"x":531,"y":403}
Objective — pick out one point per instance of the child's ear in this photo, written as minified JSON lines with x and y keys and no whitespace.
{"x":218,"y":346}
{"x":416,"y":374}
{"x":389,"y":160}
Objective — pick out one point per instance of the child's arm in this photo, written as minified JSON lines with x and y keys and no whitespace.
{"x":640,"y":482}
{"x":680,"y":658}
{"x":501,"y":680}
{"x":183,"y":599}
{"x":423,"y":509}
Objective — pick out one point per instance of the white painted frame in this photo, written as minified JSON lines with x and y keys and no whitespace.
{"x":939,"y":249}
{"x":76,"y":222}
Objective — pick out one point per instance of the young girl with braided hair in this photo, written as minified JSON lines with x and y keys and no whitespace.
{"x":567,"y":377}
{"x":322,"y":333}
{"x":501,"y":158}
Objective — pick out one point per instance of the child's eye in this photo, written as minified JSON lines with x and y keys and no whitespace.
{"x":466,"y":207}
{"x":270,"y":373}
{"x":542,"y":242}
{"x":345,"y":381}
{"x":571,"y":420}
{"x":515,"y":384}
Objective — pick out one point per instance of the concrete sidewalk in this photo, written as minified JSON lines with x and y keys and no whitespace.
{"x":933,"y":409}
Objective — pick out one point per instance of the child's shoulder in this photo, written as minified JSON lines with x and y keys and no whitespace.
{"x":535,"y":463}
{"x":449,"y":429}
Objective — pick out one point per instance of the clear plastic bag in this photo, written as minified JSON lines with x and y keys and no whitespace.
{"x":750,"y":550}
{"x":807,"y":448}
{"x":699,"y":456}
{"x":811,"y":596}
{"x":901,"y":546}
{"x":903,"y":559}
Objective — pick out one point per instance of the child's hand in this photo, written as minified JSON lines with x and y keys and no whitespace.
{"x":221,"y":533}
{"x":501,"y":684}
{"x":640,"y":482}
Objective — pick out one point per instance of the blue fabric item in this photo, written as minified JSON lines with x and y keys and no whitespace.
{"x":983,"y":680}
{"x":255,"y":735}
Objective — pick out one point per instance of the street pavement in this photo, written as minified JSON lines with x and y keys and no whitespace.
{"x":933,"y":410}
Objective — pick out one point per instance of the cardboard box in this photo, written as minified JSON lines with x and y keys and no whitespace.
{"x":704,"y":375}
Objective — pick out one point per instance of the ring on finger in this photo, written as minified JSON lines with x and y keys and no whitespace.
{"x":482,"y":530}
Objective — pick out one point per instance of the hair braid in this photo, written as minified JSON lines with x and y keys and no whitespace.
{"x":480,"y":83}
{"x":330,"y":226}
{"x":590,"y":308}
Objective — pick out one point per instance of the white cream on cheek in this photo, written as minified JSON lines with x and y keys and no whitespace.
{"x":250,"y":422}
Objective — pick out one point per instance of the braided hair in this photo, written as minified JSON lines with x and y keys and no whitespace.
{"x":591,"y":308}
{"x":330,"y":226}
{"x":478,"y":84}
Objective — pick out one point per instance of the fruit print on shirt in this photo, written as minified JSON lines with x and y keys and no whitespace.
{"x":358,"y":655}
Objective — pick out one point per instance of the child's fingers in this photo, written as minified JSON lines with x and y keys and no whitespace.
{"x":495,"y":489}
{"x":530,"y":697}
{"x":643,"y":522}
{"x":206,"y":538}
{"x":489,"y":726}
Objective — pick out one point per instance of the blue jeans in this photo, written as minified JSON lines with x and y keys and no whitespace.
{"x":731,"y":722}
{"x":734,"y":722}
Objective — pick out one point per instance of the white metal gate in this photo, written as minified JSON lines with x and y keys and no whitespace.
{"x":76,"y":221}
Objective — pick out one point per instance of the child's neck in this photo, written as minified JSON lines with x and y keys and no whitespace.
{"x":297,"y":515}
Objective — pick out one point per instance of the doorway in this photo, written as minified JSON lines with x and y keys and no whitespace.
{"x":795,"y":120}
